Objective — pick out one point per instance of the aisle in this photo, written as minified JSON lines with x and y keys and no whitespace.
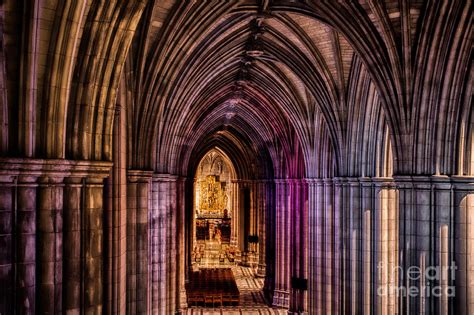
{"x":252,"y":300}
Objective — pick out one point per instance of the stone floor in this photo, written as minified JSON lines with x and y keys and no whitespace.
{"x":252,"y":300}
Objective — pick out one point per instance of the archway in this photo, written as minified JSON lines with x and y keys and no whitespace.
{"x":216,"y":212}
{"x":227,"y":229}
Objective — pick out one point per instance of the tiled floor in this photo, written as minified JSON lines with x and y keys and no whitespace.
{"x":252,"y":300}
{"x":235,"y":310}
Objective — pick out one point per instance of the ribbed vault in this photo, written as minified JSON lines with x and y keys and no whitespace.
{"x":350,"y":125}
{"x":300,"y":58}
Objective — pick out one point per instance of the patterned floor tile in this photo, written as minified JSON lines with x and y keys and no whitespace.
{"x":252,"y":300}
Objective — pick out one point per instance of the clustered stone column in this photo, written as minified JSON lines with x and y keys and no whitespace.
{"x":290,"y":246}
{"x":23,"y":211}
{"x":372,"y":241}
{"x":235,"y":204}
{"x":166,"y":285}
{"x":138,"y":191}
{"x":436,"y":235}
{"x":93,"y":239}
{"x":52,"y":230}
{"x":255,"y":220}
{"x":263,"y":203}
{"x":49,"y":238}
{"x":72,"y":226}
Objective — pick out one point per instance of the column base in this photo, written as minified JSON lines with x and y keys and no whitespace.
{"x":244,"y":260}
{"x":261,"y":271}
{"x":281,"y":299}
{"x":183,"y":301}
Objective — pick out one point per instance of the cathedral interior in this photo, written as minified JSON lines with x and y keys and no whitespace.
{"x":236,"y":157}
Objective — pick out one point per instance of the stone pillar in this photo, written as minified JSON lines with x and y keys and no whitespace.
{"x":181,"y":251}
{"x":49,"y":245}
{"x":235,"y":214}
{"x":385,"y":228}
{"x":368,"y":253}
{"x":72,"y":267}
{"x":312,"y":252}
{"x":165,"y":283}
{"x":354,"y":280}
{"x":117,"y":217}
{"x":56,"y":239}
{"x":93,"y":244}
{"x":157,"y":294}
{"x":26,"y":227}
{"x":291,"y":245}
{"x":282,"y":266}
{"x":337,"y":243}
{"x":460,"y":259}
{"x":17,"y":243}
{"x":172,"y":249}
{"x":7,"y":250}
{"x":270,"y":225}
{"x":435,"y":233}
{"x":414,"y":235}
{"x":328,"y":247}
{"x":138,"y":188}
{"x":318,"y":227}
{"x":262,"y":221}
{"x":298,"y":247}
{"x":342,"y":205}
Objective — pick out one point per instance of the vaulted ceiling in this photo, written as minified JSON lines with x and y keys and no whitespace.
{"x":296,"y":72}
{"x":316,"y":88}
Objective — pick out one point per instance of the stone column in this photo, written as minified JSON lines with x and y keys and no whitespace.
{"x":328,"y":247}
{"x":312,"y":243}
{"x":164,"y":229}
{"x":7,"y":245}
{"x":342,"y":205}
{"x":25,"y":282}
{"x":319,"y":246}
{"x":262,"y":221}
{"x":117,"y":217}
{"x":459,"y":251}
{"x":181,"y":252}
{"x":385,"y":231}
{"x":293,"y":259}
{"x":354,"y":229}
{"x":138,"y":187}
{"x":93,"y":244}
{"x":368,"y":253}
{"x":49,"y":245}
{"x":17,"y":243}
{"x":270,"y":261}
{"x":414,"y":234}
{"x":282,"y":266}
{"x":172,"y":249}
{"x":72,"y":267}
{"x":235,"y":213}
{"x":157,"y":255}
{"x":298,"y":253}
{"x":435,"y":233}
{"x":56,"y":235}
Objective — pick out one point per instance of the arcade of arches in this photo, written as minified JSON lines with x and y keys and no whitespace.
{"x":326,"y":148}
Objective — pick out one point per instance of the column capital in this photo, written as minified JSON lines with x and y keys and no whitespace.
{"x":163,"y":177}
{"x":53,"y":168}
{"x":290,"y":180}
{"x":314,"y":181}
{"x":50,"y":180}
{"x":443,"y":182}
{"x":139,"y":176}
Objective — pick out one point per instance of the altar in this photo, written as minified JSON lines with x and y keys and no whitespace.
{"x":212,"y":219}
